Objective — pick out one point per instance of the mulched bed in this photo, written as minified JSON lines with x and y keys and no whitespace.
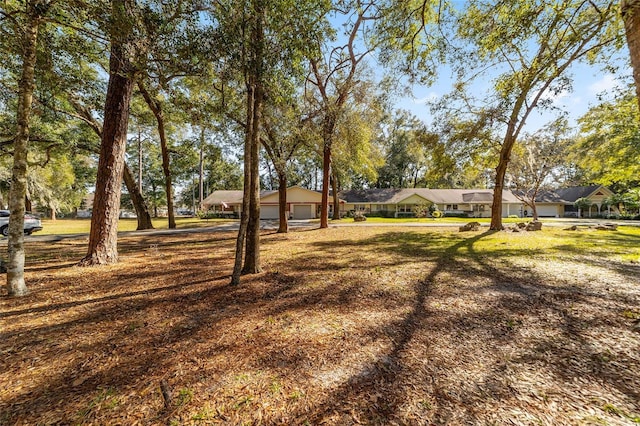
{"x":344,"y":326}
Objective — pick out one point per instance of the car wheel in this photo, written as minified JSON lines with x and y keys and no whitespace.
{"x":5,"y":230}
{"x":28,"y":232}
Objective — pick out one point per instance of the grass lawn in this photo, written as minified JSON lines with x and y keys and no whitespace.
{"x":82,"y":226}
{"x":346,"y":325}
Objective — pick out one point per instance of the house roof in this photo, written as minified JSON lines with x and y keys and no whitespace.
{"x":568,"y":195}
{"x":218,"y":197}
{"x":235,"y":196}
{"x":438,"y":196}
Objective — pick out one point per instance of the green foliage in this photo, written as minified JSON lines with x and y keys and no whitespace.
{"x":582,"y":203}
{"x":610,"y":142}
{"x":410,"y":152}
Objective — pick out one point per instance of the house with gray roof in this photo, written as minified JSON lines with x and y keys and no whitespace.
{"x":303,"y":203}
{"x":403,"y":202}
{"x":561,"y":202}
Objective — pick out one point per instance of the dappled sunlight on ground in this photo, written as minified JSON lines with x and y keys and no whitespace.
{"x":344,"y":326}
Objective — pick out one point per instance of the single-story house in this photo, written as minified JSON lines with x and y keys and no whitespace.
{"x":561,"y":202}
{"x":302,"y":203}
{"x":305,"y":204}
{"x":402,"y":202}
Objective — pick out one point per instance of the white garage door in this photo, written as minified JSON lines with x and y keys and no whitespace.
{"x":547,"y":211}
{"x":303,"y":212}
{"x":269,"y":212}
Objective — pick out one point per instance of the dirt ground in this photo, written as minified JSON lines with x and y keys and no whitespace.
{"x":345,"y":326}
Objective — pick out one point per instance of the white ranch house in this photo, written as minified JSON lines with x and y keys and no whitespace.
{"x":305,"y":204}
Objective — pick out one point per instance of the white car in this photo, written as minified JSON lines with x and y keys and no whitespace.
{"x":32,"y":223}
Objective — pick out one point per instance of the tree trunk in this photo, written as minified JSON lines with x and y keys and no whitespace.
{"x":156,"y":108}
{"x":16,"y":285}
{"x":631,"y":17}
{"x":336,"y":200}
{"x":252,"y":253}
{"x":283,"y":214}
{"x":244,"y":215}
{"x":103,"y":238}
{"x":201,"y":171}
{"x":142,"y":212}
{"x":326,"y":168}
{"x":139,"y":163}
{"x":501,"y":170}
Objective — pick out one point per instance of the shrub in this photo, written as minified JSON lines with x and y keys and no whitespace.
{"x":463,"y":215}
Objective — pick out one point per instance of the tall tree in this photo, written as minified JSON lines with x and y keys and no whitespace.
{"x":533,"y":44}
{"x":334,"y":77}
{"x":155,"y":105}
{"x":609,"y":143}
{"x":536,"y":160}
{"x":406,"y":143}
{"x":103,"y":238}
{"x":284,"y":134}
{"x":631,"y":16}
{"x":261,"y":37}
{"x":34,"y":12}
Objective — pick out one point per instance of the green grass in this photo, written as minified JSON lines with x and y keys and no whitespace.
{"x":82,"y":226}
{"x":432,"y":220}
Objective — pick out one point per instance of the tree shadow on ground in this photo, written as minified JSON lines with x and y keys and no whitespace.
{"x":385,"y":354}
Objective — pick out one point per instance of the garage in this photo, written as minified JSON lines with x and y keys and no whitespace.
{"x":546,"y":210}
{"x":302,"y":211}
{"x":269,"y":212}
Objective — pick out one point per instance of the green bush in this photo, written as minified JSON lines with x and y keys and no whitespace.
{"x":463,"y":215}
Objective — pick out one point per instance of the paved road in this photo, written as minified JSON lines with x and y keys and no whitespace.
{"x":272,"y":225}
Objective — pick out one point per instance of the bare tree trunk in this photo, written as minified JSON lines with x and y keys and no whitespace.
{"x":244,"y":215}
{"x":631,"y":17}
{"x":252,"y":253}
{"x":156,"y":108}
{"x":142,"y":212}
{"x":283,"y":214}
{"x":201,"y":171}
{"x":336,"y":199}
{"x":326,"y":167}
{"x":501,"y":170}
{"x":103,"y":239}
{"x":16,"y":285}
{"x":139,"y":163}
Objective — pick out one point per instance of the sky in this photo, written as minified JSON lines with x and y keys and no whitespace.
{"x":588,"y":83}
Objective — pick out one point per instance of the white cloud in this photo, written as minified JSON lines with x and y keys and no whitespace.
{"x":606,"y":83}
{"x":432,"y":96}
{"x":555,"y":97}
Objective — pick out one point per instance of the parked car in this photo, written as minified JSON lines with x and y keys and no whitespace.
{"x":32,"y":223}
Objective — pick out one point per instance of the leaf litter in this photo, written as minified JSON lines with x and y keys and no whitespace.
{"x":344,"y":326}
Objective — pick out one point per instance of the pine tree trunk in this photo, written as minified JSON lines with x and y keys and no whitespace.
{"x":142,"y":212}
{"x":631,"y":17}
{"x":103,"y":239}
{"x":16,"y":285}
{"x":283,"y":214}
